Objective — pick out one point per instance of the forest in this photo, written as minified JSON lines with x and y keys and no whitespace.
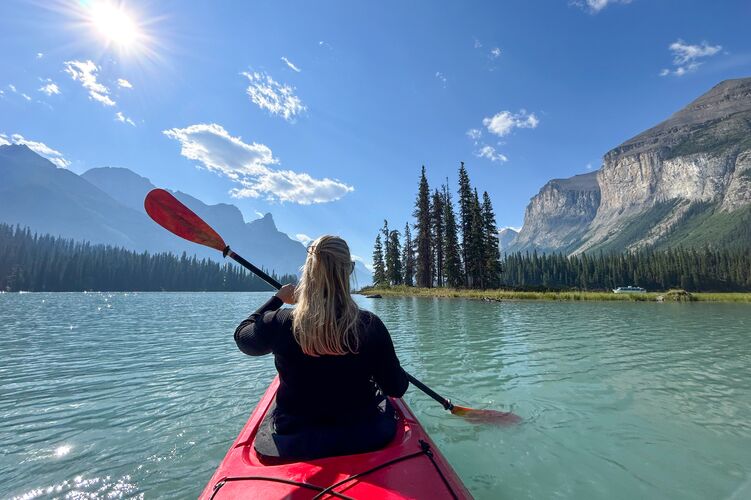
{"x":457,"y":247}
{"x":44,"y":263}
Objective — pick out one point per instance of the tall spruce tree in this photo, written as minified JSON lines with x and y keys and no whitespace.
{"x":492,"y":254}
{"x":408,"y":258}
{"x":465,"y":218}
{"x":437,"y":234}
{"x":422,"y":238}
{"x":452,"y":264}
{"x":393,"y":259}
{"x":386,"y":243}
{"x":379,"y":270}
{"x":476,"y":245}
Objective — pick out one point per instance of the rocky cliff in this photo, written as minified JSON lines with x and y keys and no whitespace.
{"x":670,"y":184}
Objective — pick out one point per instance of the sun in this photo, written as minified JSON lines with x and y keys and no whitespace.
{"x":115,"y":24}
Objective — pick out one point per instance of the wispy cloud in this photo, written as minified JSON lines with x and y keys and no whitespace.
{"x":85,"y":72}
{"x":491,"y":154}
{"x":303,"y":238}
{"x":503,"y":122}
{"x":119,"y":116}
{"x":595,"y":6}
{"x":686,"y":57}
{"x":40,"y":148}
{"x":12,"y":87}
{"x":495,"y":52}
{"x":475,"y":134}
{"x":26,"y":96}
{"x":39,"y":55}
{"x":290,"y":65}
{"x":276,"y":98}
{"x":441,"y":78}
{"x":478,"y":43}
{"x":49,"y":87}
{"x":124,"y":84}
{"x":248,"y":165}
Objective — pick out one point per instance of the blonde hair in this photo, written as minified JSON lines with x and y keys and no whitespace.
{"x":324,"y":319}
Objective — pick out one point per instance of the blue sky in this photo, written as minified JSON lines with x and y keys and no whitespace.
{"x":323,"y":112}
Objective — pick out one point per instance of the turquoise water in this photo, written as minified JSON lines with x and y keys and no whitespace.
{"x":128,"y":395}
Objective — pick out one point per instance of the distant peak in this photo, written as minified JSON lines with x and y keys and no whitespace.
{"x":268,"y":217}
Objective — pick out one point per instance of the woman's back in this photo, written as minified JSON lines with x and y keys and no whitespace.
{"x":327,"y":388}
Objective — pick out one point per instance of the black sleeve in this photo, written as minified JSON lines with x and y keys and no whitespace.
{"x":255,"y":335}
{"x":387,"y":371}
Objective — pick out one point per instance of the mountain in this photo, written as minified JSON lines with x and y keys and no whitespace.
{"x":685,"y":181}
{"x":105,"y":205}
{"x":506,"y":238}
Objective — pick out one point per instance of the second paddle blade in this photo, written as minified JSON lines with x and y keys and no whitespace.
{"x":175,"y":217}
{"x":486,"y":416}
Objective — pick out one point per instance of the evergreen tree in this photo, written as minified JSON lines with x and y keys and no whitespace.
{"x":408,"y":258}
{"x":422,"y":238}
{"x":393,"y":259}
{"x":437,"y":236}
{"x":465,"y":218}
{"x":452,"y":266}
{"x":492,"y":254}
{"x":379,"y":270}
{"x":386,"y":242}
{"x":476,"y":245}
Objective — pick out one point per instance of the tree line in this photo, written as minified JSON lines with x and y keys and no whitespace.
{"x":458,"y":247}
{"x":445,"y":250}
{"x":40,"y":263}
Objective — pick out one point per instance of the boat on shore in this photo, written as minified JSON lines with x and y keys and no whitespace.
{"x":629,"y":289}
{"x":410,"y":466}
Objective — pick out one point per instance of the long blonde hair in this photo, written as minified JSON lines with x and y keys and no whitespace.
{"x":324,"y":319}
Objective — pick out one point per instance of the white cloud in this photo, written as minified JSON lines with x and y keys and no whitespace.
{"x":26,"y":96}
{"x":475,"y":134}
{"x":12,"y":87}
{"x":491,"y":154}
{"x":303,"y":238}
{"x":441,"y":77}
{"x":85,"y":72}
{"x":49,"y":88}
{"x":39,"y":55}
{"x":686,"y":56}
{"x":495,"y":53}
{"x":119,"y":116}
{"x":278,"y":99}
{"x":503,"y":122}
{"x":478,"y":44}
{"x":123,"y":83}
{"x":247,"y":164}
{"x":40,"y":148}
{"x":290,"y":65}
{"x":595,"y":6}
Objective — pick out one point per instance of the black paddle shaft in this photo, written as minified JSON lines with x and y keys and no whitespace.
{"x":250,"y":267}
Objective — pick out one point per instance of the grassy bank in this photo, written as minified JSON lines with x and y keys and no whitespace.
{"x":404,"y":291}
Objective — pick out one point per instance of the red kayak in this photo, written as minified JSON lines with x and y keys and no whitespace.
{"x":409,"y":467}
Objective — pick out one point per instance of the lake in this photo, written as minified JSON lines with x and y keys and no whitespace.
{"x":122,"y":395}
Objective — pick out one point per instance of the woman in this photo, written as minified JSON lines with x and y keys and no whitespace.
{"x":335,"y":363}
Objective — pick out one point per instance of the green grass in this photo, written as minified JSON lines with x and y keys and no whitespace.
{"x":404,"y":291}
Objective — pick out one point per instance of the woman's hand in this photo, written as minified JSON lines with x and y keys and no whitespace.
{"x":287,"y":293}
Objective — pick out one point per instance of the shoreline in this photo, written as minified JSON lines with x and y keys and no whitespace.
{"x":504,"y":295}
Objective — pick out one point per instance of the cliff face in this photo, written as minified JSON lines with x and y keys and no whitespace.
{"x":651,"y":185}
{"x":559,"y":215}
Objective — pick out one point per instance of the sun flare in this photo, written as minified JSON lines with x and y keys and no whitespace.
{"x":115,"y":24}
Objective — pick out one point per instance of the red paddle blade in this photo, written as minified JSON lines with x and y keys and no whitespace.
{"x":486,"y":416}
{"x":172,"y":215}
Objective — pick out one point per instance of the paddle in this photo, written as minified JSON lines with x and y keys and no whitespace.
{"x":174,"y":216}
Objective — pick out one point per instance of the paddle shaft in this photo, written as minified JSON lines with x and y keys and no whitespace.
{"x":250,"y":267}
{"x":271,"y":281}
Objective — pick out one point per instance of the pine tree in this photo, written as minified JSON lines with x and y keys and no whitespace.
{"x":422,"y":238}
{"x":452,"y":265}
{"x":393,"y":259}
{"x":379,"y":270}
{"x":465,"y":218}
{"x":437,"y":235}
{"x":386,"y":242}
{"x":476,"y":246}
{"x":408,"y":258}
{"x":492,"y":254}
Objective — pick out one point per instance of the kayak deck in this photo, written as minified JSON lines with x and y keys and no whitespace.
{"x":410,"y":466}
